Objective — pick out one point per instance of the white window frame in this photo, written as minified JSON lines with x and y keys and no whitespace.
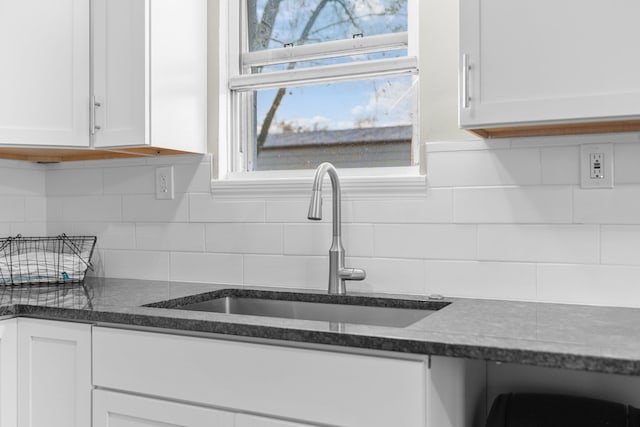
{"x":234,"y":88}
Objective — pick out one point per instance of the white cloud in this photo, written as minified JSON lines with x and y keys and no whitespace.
{"x":388,"y":103}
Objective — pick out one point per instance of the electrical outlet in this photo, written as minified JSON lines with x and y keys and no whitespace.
{"x":164,"y":183}
{"x":596,"y":166}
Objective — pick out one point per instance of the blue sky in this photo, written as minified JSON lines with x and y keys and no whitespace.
{"x":339,"y":105}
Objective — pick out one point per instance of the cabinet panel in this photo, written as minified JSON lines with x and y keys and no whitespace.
{"x":308,"y":385}
{"x":54,"y":371}
{"x":121,"y":410}
{"x":150,"y":73}
{"x":244,"y":420}
{"x":8,"y":376}
{"x":549,"y":61}
{"x":44,"y":78}
{"x":120,"y":49}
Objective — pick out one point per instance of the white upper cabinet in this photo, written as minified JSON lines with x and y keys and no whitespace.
{"x":150,"y":74}
{"x":549,"y":63}
{"x":44,"y":73}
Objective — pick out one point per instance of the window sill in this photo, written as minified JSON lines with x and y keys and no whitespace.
{"x":382,"y":183}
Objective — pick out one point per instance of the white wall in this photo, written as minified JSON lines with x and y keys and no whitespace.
{"x":22,"y":199}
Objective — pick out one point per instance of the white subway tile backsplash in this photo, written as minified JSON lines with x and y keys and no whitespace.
{"x":36,"y":208}
{"x":538,"y":205}
{"x":206,"y":267}
{"x":501,"y":223}
{"x":286,"y":271}
{"x":620,"y":205}
{"x":627,"y":158}
{"x":307,"y":239}
{"x":589,"y":284}
{"x":395,"y":276}
{"x":76,"y":182}
{"x":146,"y":208}
{"x":357,"y":239}
{"x":84,"y":208}
{"x":539,"y":243}
{"x":621,"y":244}
{"x":129,"y":180}
{"x":314,"y":238}
{"x":22,"y":181}
{"x":477,"y":279}
{"x":203,"y":208}
{"x":28,"y":229}
{"x":110,"y":235}
{"x":175,"y":236}
{"x":12,"y":209}
{"x":484,"y":167}
{"x":425,"y":241}
{"x":292,"y":210}
{"x":561,"y":165}
{"x":249,"y":238}
{"x":296,"y":210}
{"x":6,"y":229}
{"x":193,"y":178}
{"x":144,"y":265}
{"x":436,"y":207}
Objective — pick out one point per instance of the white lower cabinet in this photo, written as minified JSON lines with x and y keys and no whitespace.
{"x":122,"y":410}
{"x":45,"y":373}
{"x":54,"y":374}
{"x":8,"y":372}
{"x":113,"y":409}
{"x":277,"y":386}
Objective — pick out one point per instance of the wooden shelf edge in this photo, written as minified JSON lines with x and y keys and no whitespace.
{"x":559,"y":129}
{"x":55,"y":155}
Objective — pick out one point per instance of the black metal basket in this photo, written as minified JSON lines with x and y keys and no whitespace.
{"x":45,"y":260}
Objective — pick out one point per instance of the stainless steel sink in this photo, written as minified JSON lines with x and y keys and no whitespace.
{"x":328,"y":308}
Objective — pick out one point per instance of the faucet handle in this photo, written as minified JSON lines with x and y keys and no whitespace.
{"x":352,"y":274}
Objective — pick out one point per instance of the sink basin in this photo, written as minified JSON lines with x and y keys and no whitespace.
{"x":290,"y":305}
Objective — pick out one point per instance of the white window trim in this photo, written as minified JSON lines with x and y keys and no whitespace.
{"x":320,"y":74}
{"x":329,"y":49}
{"x":404,"y":182}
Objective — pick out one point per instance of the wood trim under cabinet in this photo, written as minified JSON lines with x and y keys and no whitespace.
{"x":559,"y":129}
{"x":54,"y":155}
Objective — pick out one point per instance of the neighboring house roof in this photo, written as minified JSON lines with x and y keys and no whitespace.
{"x":339,"y":137}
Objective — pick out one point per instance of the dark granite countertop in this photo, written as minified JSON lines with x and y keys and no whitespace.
{"x":600,"y":339}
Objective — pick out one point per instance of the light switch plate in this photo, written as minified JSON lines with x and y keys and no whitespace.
{"x":596,"y":166}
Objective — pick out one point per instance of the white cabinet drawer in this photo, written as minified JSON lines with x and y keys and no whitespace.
{"x":316,"y":386}
{"x":122,"y":410}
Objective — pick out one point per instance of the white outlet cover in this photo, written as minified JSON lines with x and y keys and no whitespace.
{"x":607,"y":179}
{"x":164,"y":183}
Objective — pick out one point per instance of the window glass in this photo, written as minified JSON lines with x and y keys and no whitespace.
{"x":274,"y":23}
{"x":362,"y":123}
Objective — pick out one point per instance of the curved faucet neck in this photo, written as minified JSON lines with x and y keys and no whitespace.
{"x":328,"y":168}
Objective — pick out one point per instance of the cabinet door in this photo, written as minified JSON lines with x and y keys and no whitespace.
{"x":314,"y":386}
{"x":44,"y":77}
{"x":150,"y":73}
{"x":546,"y":61}
{"x":54,"y":371}
{"x":244,"y":420}
{"x":120,"y":49}
{"x":122,"y":410}
{"x":8,"y":378}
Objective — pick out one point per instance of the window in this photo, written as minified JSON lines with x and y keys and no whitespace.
{"x":322,"y":80}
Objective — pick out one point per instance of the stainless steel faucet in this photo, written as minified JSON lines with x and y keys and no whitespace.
{"x":338,"y":274}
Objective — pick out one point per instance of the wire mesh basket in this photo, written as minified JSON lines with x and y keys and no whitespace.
{"x":45,"y":260}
